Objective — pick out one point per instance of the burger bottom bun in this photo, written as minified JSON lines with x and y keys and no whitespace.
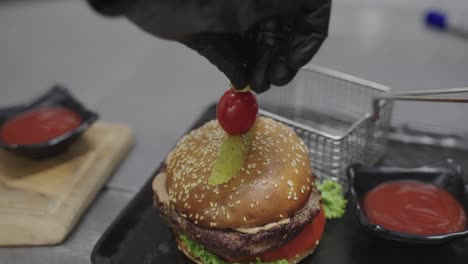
{"x":296,"y":259}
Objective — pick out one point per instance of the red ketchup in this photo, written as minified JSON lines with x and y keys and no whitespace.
{"x":38,"y":126}
{"x":414,"y":207}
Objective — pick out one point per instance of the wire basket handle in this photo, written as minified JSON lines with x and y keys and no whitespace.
{"x":421,"y":95}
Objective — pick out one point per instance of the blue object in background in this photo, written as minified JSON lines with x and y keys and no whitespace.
{"x":436,"y":19}
{"x":440,"y":21}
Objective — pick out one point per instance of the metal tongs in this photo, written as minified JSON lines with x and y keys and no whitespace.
{"x":421,"y":95}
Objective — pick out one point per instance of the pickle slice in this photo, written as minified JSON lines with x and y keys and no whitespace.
{"x":232,"y":154}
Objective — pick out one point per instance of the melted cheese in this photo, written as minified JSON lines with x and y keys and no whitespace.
{"x":253,"y":230}
{"x":159,"y":188}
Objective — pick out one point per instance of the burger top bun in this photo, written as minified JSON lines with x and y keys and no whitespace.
{"x":274,"y":182}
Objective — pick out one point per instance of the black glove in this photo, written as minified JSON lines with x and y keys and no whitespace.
{"x":256,"y":42}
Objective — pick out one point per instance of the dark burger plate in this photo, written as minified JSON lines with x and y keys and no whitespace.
{"x":139,"y":235}
{"x":56,"y":96}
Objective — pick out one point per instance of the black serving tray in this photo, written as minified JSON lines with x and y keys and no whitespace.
{"x":139,"y":235}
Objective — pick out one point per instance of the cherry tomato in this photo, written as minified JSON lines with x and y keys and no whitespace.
{"x":237,"y":111}
{"x":305,"y":241}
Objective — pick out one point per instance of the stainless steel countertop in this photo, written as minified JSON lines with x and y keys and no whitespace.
{"x":159,"y":88}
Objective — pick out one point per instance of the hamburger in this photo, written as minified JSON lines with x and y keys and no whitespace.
{"x":268,"y":212}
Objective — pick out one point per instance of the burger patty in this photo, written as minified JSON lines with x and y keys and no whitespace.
{"x":231,"y":243}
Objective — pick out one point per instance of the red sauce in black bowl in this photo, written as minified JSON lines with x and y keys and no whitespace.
{"x":39,"y":126}
{"x":414,"y":207}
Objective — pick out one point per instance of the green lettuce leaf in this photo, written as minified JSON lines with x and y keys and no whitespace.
{"x":333,"y":201}
{"x":199,"y":252}
{"x":209,"y":258}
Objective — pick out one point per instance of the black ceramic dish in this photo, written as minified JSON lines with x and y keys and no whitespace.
{"x":56,"y":96}
{"x":139,"y":235}
{"x":447,"y":175}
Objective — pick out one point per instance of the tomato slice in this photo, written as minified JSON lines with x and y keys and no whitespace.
{"x":307,"y":240}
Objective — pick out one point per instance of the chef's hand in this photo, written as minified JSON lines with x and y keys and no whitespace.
{"x":256,"y":43}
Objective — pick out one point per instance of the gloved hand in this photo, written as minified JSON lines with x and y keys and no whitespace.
{"x":254,"y":42}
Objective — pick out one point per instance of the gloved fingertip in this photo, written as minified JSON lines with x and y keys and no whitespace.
{"x":239,"y":80}
{"x":259,"y":85}
{"x":259,"y":81}
{"x":280,"y":74}
{"x":111,"y":7}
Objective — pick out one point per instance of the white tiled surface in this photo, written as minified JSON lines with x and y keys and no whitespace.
{"x":159,"y":88}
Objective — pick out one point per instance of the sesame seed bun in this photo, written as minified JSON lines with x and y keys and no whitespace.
{"x":274,"y":182}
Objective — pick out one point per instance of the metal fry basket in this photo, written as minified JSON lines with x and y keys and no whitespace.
{"x":332,"y":113}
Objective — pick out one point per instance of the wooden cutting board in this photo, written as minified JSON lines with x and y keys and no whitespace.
{"x":41,"y":201}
